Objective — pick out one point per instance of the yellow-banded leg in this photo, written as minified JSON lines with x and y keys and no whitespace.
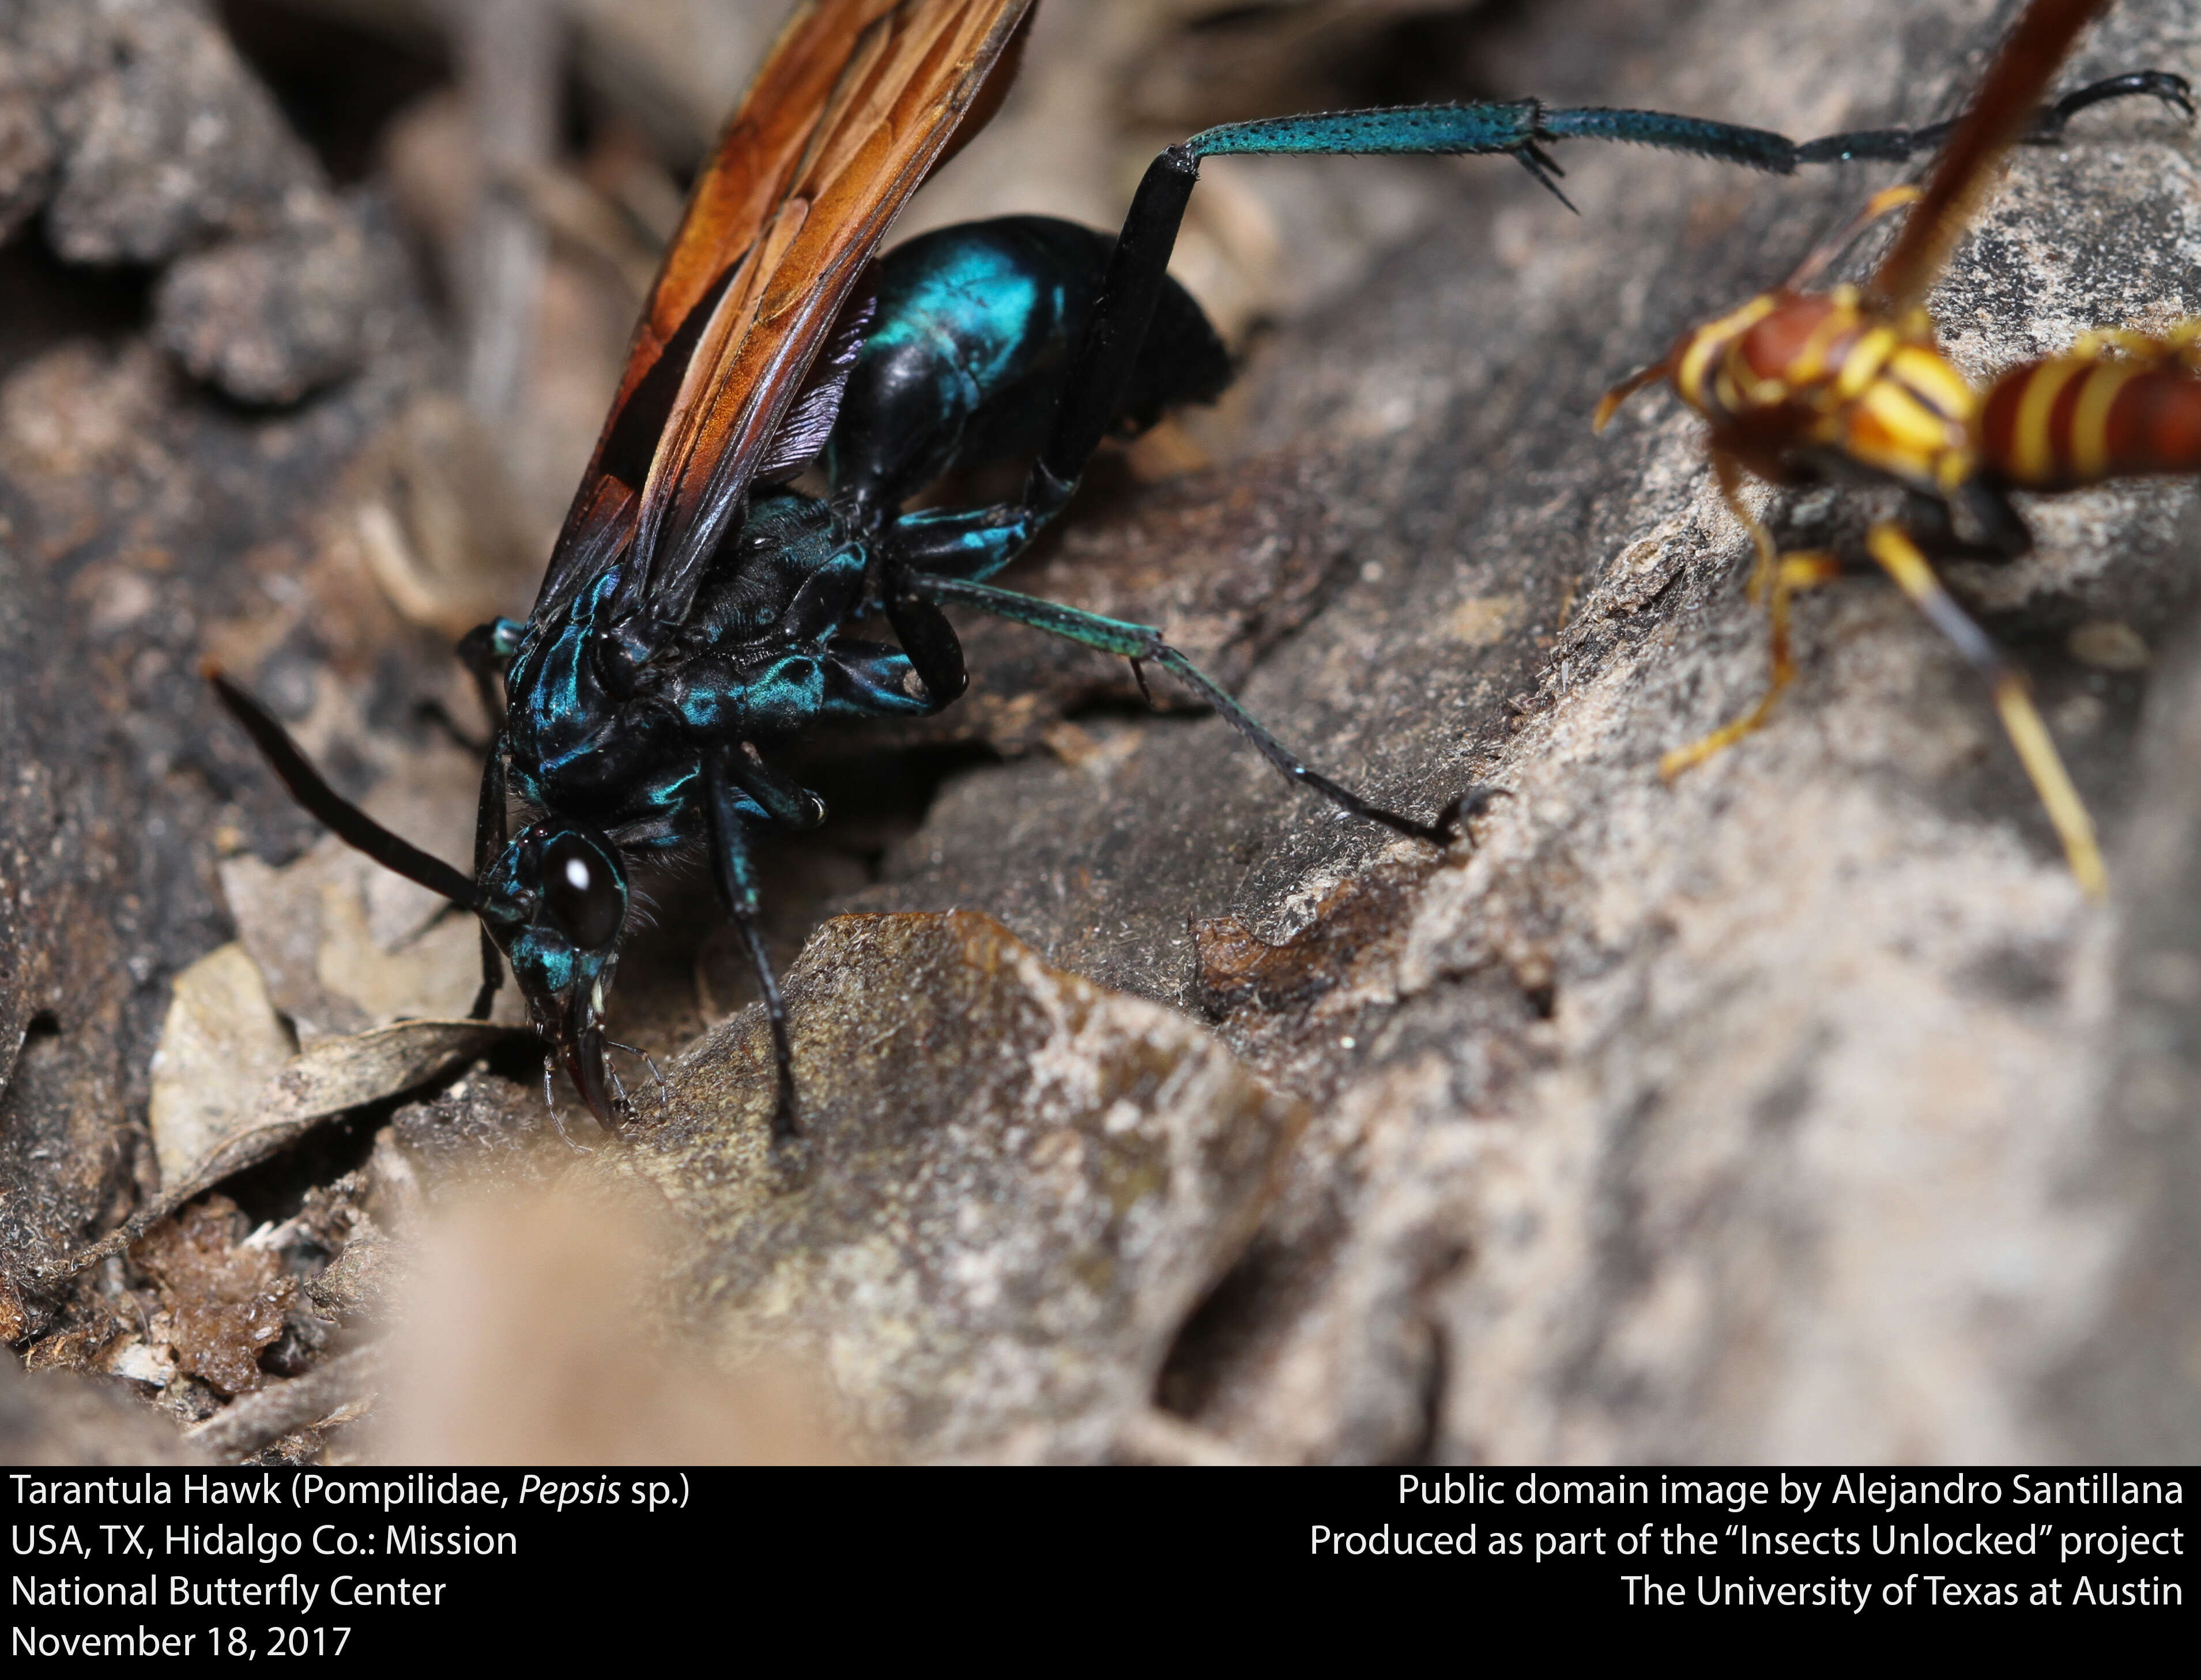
{"x":1775,"y":580}
{"x":1791,"y":573}
{"x":1900,"y":556}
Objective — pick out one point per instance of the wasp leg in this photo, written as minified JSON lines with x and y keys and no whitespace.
{"x":1791,"y":575}
{"x":784,"y":800}
{"x":878,"y":679}
{"x":550,"y":1102}
{"x":1110,"y":349}
{"x":1108,"y":354}
{"x":972,"y":544}
{"x":1517,"y":127}
{"x":489,"y":842}
{"x":935,"y":650}
{"x":1893,"y":146}
{"x":1900,"y":558}
{"x":1730,"y":472}
{"x":485,"y":651}
{"x":1930,"y":521}
{"x":432,"y":712}
{"x":492,"y":963}
{"x":1610,"y":404}
{"x":1142,"y":644}
{"x":663,"y":1090}
{"x":736,"y":876}
{"x":2047,"y":125}
{"x":1775,"y":580}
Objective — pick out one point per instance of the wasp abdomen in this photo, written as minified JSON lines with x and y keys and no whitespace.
{"x":2069,"y":421}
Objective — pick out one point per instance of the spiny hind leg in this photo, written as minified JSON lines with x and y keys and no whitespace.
{"x":1142,"y":645}
{"x":1900,"y":558}
{"x":1775,"y":580}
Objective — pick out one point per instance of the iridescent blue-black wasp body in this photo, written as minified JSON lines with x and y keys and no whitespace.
{"x":698,"y":614}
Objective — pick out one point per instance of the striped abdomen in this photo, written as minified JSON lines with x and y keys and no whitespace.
{"x":2076,"y":420}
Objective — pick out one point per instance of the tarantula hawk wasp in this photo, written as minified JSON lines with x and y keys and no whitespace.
{"x":1798,"y":385}
{"x":697,"y":612}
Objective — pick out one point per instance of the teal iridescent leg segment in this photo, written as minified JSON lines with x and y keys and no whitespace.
{"x":1522,"y":128}
{"x":1519,"y":127}
{"x":1142,"y":645}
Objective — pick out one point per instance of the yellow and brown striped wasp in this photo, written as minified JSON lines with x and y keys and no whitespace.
{"x":1798,"y":386}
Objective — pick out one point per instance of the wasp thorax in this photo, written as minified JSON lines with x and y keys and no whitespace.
{"x":584,"y":890}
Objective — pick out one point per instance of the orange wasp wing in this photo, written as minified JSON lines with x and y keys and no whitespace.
{"x":858,"y":101}
{"x":1963,"y":172}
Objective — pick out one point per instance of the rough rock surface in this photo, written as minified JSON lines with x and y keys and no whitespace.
{"x":167,"y":141}
{"x":269,"y":319}
{"x":1011,"y":1189}
{"x":1016,"y":1186}
{"x":145,"y":139}
{"x":63,"y":1421}
{"x":2128,"y":1388}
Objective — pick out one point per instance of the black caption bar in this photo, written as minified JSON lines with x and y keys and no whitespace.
{"x":329,"y":1564}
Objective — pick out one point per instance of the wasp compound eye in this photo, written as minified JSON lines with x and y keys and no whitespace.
{"x":581,"y":889}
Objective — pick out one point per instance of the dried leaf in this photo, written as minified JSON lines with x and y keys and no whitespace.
{"x":320,"y":1082}
{"x":221,"y":1044}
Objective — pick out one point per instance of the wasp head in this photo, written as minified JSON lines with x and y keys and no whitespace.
{"x":555,"y":903}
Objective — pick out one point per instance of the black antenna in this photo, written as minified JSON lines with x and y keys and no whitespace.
{"x":344,"y":818}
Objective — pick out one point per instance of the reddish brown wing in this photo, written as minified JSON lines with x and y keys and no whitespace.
{"x":1964,"y":173}
{"x":856,"y":103}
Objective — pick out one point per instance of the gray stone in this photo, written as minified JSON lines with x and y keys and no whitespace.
{"x":1012,"y":1187}
{"x":170,"y":141}
{"x":271,"y":318}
